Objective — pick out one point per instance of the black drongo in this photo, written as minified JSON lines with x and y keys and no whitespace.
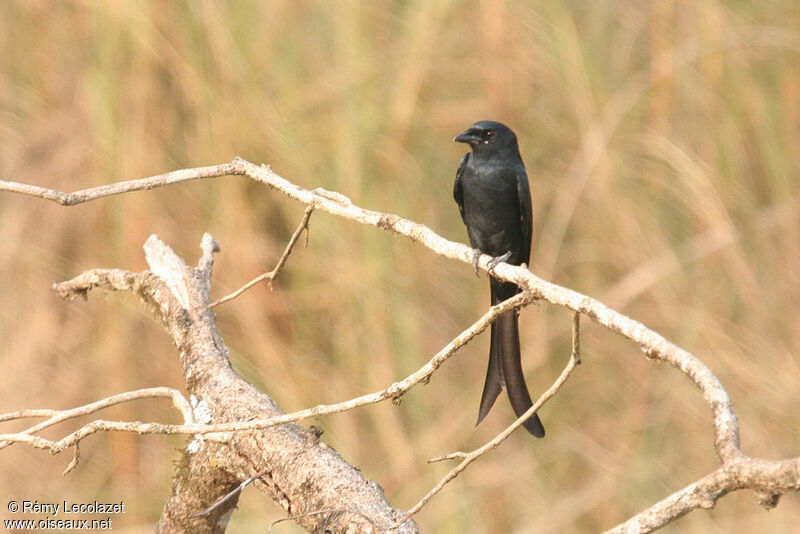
{"x":492,"y":193}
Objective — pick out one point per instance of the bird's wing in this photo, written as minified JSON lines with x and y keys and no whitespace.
{"x":525,"y":214}
{"x":458,"y":193}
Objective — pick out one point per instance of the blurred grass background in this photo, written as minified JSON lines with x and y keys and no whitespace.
{"x":663,"y":143}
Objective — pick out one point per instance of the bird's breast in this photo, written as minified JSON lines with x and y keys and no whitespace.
{"x":491,"y":211}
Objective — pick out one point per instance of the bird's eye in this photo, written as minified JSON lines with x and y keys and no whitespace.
{"x":490,"y":134}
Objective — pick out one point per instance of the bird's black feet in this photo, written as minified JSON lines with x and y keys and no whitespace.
{"x":476,"y":255}
{"x":498,"y":259}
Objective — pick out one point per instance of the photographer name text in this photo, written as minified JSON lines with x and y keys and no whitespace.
{"x":66,"y":507}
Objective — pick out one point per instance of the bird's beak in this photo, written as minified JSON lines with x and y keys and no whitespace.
{"x":466,"y":137}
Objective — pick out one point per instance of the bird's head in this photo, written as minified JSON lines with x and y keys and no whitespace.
{"x":487,"y":136}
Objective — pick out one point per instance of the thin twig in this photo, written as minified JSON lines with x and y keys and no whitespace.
{"x":468,"y":458}
{"x":57,"y":416}
{"x":93,"y":193}
{"x":449,"y":456}
{"x":76,"y":457}
{"x":576,"y":337}
{"x":271,"y":275}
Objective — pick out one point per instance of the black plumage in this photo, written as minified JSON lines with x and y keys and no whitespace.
{"x":492,"y":192}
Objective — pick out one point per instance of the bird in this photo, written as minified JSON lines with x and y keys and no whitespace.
{"x":493,"y":195}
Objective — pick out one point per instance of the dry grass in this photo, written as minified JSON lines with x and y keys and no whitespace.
{"x":662,"y":139}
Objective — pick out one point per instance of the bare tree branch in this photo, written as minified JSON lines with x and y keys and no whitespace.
{"x":302,"y":474}
{"x":768,"y":478}
{"x":93,"y":193}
